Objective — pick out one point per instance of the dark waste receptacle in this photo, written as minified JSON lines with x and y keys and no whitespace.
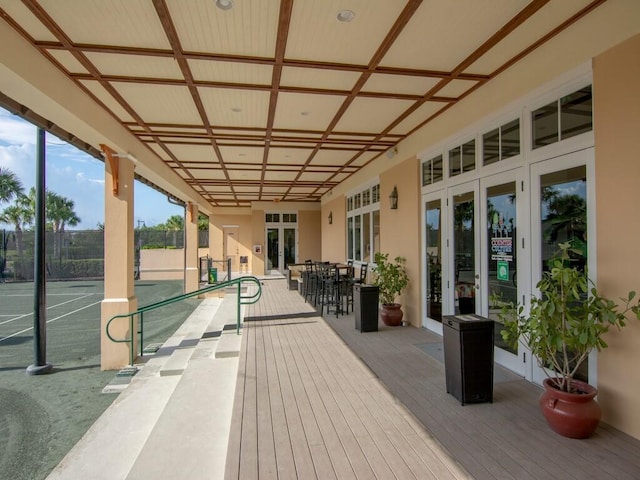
{"x":365,"y":307}
{"x":468,"y":357}
{"x":213,"y":275}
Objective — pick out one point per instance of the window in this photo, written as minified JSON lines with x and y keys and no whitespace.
{"x":564,"y":118}
{"x":281,"y":218}
{"x":363,"y":224}
{"x":375,"y":194}
{"x":501,"y":143}
{"x":462,"y":159}
{"x":432,"y":171}
{"x":366,"y":198}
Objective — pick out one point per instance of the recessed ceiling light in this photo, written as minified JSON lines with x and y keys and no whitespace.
{"x":224,"y":4}
{"x":344,"y":15}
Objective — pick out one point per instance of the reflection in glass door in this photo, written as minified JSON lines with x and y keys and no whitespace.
{"x":289,"y":246}
{"x":465,"y":261}
{"x":273,"y":249}
{"x":501,"y":279}
{"x":563,"y":209}
{"x":433,"y":236}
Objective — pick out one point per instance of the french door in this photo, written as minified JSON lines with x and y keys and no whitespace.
{"x":281,"y":247}
{"x":486,"y":261}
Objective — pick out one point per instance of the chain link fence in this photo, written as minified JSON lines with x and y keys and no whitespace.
{"x":75,"y":254}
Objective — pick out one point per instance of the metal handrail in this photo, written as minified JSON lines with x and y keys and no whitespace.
{"x":241,"y":300}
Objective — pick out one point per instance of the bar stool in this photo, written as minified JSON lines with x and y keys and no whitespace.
{"x":329,"y":293}
{"x":310,"y":281}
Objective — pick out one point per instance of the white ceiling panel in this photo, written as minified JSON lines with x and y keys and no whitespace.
{"x":442,"y":34}
{"x":249,"y":28}
{"x":116,"y":22}
{"x":160,"y":103}
{"x":306,"y":111}
{"x":371,"y":114}
{"x":237,"y":108}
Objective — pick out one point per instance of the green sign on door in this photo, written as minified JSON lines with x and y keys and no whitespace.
{"x":503,"y":270}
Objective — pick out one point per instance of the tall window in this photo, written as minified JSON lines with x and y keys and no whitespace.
{"x":363,"y":224}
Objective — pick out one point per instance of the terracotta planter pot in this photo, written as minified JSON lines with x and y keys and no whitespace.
{"x":391,"y":314}
{"x":573,"y":415}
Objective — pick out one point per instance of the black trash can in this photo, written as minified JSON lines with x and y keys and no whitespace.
{"x":468,"y":357}
{"x":365,"y":307}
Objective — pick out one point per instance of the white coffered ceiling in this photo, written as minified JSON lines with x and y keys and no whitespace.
{"x":277,"y":99}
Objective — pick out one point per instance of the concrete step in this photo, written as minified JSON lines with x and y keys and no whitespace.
{"x":199,"y":408}
{"x":189,"y":335}
{"x":180,"y":396}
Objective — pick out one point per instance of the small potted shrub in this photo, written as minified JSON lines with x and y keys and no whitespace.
{"x":391,"y":279}
{"x":564,"y":324}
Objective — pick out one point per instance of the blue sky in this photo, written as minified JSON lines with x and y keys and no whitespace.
{"x":72,"y":174}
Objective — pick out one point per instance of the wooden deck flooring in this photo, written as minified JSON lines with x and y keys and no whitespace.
{"x":317,"y":399}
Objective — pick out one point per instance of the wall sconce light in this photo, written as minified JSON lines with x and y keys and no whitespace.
{"x":393,"y":199}
{"x":330,"y":218}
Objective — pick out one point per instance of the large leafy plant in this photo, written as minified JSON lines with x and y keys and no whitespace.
{"x":566,"y":321}
{"x":390,"y":277}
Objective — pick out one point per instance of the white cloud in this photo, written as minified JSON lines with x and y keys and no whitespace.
{"x":72,"y":174}
{"x":15,"y":131}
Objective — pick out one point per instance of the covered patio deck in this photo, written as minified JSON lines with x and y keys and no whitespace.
{"x":318,"y":399}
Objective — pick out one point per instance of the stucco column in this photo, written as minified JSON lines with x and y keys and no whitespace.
{"x":191,"y":278}
{"x":119,"y":294}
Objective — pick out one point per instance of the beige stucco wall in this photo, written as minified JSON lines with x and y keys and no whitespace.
{"x":258,"y":239}
{"x":162,"y":264}
{"x":334,"y":235}
{"x":400,"y":229}
{"x":617,"y":138}
{"x":310,"y":234}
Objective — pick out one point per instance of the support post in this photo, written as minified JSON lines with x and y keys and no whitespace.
{"x":40,"y":365}
{"x":191,"y":278}
{"x":119,"y":253}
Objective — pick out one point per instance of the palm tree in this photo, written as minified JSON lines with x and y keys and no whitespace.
{"x":10,"y":185}
{"x":19,"y":215}
{"x":175,"y":223}
{"x":60,"y":213}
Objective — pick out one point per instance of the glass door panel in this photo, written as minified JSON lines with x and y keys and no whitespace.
{"x":433,"y":236}
{"x":501,"y":250}
{"x":563,"y":209}
{"x":466,"y":261}
{"x":561,"y":204}
{"x":273,"y":246}
{"x":289,"y":245}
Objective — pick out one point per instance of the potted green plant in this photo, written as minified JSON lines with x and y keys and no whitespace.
{"x":391,"y":279}
{"x":564,"y":324}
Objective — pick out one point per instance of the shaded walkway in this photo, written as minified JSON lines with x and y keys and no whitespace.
{"x":306,"y":407}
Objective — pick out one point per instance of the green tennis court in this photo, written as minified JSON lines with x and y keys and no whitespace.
{"x":42,"y":417}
